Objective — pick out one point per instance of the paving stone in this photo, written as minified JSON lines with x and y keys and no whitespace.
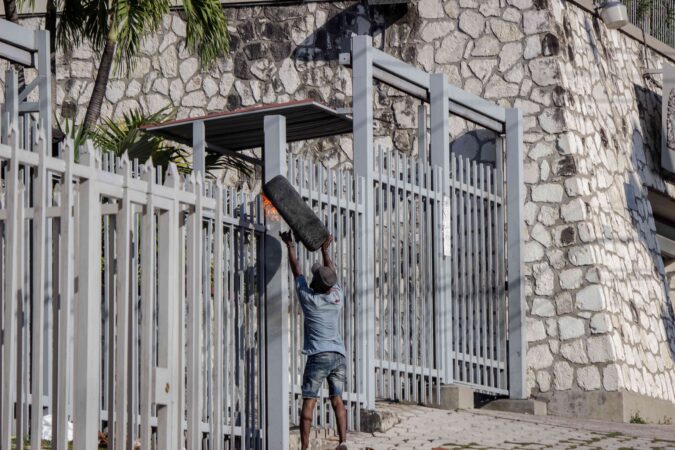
{"x":427,"y":428}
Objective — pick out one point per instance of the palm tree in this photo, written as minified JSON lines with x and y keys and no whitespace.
{"x":115,"y":28}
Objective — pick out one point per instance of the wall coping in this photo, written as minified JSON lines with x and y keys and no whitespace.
{"x":634,"y":32}
{"x":630,"y":29}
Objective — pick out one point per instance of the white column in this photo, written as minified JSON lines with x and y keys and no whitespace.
{"x":88,"y":312}
{"x":277,"y":301}
{"x":440,"y":158}
{"x":362,"y":81}
{"x":515,"y":200}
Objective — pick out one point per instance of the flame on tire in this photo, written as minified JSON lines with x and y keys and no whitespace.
{"x":271,"y":212}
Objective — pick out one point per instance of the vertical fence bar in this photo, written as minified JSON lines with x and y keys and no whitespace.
{"x":123,"y":299}
{"x":148,"y":263}
{"x":490,"y":284}
{"x":216,"y":422}
{"x":11,"y":256}
{"x":500,"y":256}
{"x":462,"y":298}
{"x":166,"y":373}
{"x":475,"y":276}
{"x":88,"y":311}
{"x":408,"y":197}
{"x":455,"y":196}
{"x":39,"y":291}
{"x":482,"y":351}
{"x":109,"y":230}
{"x":65,"y":298}
{"x":194,"y":308}
{"x":21,"y":343}
{"x":277,"y":297}
{"x":515,"y":269}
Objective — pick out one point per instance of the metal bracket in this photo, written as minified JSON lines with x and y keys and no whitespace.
{"x":345,"y":59}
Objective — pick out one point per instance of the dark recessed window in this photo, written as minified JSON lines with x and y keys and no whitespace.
{"x":664,"y":217}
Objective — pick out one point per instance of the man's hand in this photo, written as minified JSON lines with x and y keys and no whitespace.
{"x":286,"y":237}
{"x":326,"y":243}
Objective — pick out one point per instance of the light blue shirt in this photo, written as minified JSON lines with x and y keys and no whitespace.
{"x":322,"y":318}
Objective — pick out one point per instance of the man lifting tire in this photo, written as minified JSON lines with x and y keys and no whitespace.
{"x":321,"y":302}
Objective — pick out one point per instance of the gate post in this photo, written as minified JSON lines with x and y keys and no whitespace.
{"x":440,"y":159}
{"x":362,"y":109}
{"x":277,"y":315}
{"x":515,"y":263}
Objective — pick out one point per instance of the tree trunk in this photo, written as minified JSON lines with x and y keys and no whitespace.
{"x":50,"y":25}
{"x":11,"y":12}
{"x":94,"y":108}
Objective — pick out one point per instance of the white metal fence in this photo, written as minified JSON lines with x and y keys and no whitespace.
{"x":479,"y":356}
{"x":658,"y":20}
{"x":142,"y":303}
{"x":132,"y":303}
{"x":409,"y":201}
{"x":412,"y":337}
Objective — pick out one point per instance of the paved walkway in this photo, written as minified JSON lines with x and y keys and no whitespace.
{"x":426,"y":428}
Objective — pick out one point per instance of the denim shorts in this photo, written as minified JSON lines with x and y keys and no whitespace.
{"x":329,"y":366}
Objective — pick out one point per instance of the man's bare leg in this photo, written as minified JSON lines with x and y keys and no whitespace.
{"x":340,"y":416}
{"x":306,"y":421}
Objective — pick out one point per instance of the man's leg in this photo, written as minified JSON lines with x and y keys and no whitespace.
{"x":340,"y":416}
{"x":306,"y":421}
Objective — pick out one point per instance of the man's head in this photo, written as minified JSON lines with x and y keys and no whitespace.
{"x":323,"y":278}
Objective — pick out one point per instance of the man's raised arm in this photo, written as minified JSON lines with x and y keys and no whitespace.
{"x":327,"y":261}
{"x":292,"y":255}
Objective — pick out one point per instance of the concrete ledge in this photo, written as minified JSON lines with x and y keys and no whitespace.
{"x":455,"y":397}
{"x":373,"y":421}
{"x":614,"y":406}
{"x":526,"y":406}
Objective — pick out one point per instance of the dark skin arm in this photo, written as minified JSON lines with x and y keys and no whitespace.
{"x":327,"y":261}
{"x":292,"y":255}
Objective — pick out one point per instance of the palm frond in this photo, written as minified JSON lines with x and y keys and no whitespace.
{"x":215,"y":162}
{"x":81,"y":21}
{"x":127,"y":135}
{"x":207,"y":34}
{"x":135,"y":20}
{"x":20,"y":3}
{"x":75,"y":132}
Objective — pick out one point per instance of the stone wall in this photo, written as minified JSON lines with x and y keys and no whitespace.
{"x":598,"y":315}
{"x":604,"y":270}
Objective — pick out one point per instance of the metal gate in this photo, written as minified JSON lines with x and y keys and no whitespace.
{"x":477,"y":268}
{"x":408,"y":201}
{"x":412,"y":216}
{"x":436,"y":233}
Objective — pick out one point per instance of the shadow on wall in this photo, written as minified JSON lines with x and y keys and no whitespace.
{"x":476,"y":145}
{"x":641,"y":214}
{"x":333,"y":37}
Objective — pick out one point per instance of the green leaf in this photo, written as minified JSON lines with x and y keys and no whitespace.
{"x":127,"y":135}
{"x":207,"y":33}
{"x":136,"y":19}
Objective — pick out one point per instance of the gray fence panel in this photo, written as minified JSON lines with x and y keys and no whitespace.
{"x":335,"y":196}
{"x":138,"y":216}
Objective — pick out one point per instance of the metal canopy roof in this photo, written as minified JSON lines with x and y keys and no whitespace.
{"x":244,"y":128}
